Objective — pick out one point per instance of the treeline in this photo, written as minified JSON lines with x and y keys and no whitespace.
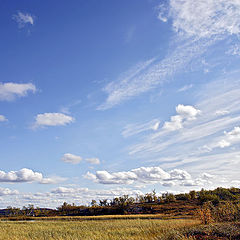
{"x":214,"y":196}
{"x":147,"y":203}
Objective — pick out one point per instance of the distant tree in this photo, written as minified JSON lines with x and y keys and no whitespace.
{"x":193,"y":195}
{"x":103,"y":202}
{"x":169,"y":197}
{"x":93,"y":203}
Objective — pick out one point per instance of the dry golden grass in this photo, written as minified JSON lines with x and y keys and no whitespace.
{"x":96,"y":229}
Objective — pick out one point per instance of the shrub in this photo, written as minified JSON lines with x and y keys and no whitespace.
{"x":205,"y":213}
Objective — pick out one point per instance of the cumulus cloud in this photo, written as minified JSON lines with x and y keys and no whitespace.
{"x":133,"y":129}
{"x":234,"y":133}
{"x":52,"y":119}
{"x":23,"y":19}
{"x":229,"y":138}
{"x":75,"y":194}
{"x":71,"y":158}
{"x":3,"y":118}
{"x":93,"y":160}
{"x":194,"y":182}
{"x":146,"y":175}
{"x":74,"y":159}
{"x":185,"y":113}
{"x":7,"y":191}
{"x":9,"y":91}
{"x":24,"y":175}
{"x":179,"y":174}
{"x":174,"y":124}
{"x":223,"y":143}
{"x":52,"y":180}
{"x":207,"y":176}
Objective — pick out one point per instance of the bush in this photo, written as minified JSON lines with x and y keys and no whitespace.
{"x":224,"y":212}
{"x":205,"y":213}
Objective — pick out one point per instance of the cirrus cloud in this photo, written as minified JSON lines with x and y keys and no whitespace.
{"x":206,"y":18}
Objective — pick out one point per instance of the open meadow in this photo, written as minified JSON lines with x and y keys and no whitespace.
{"x":131,"y":228}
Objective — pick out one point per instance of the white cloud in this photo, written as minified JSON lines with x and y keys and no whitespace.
{"x":186,"y":113}
{"x":3,"y":118}
{"x":221,"y":112}
{"x":24,"y":175}
{"x":179,"y":174}
{"x":133,"y":129}
{"x":52,"y":119}
{"x":185,"y":88}
{"x":93,"y":160}
{"x":23,"y":19}
{"x":68,"y":190}
{"x":53,"y":180}
{"x":90,"y":176}
{"x":57,"y":196}
{"x":198,"y":25}
{"x":205,"y":18}
{"x":196,"y":147}
{"x":151,"y":73}
{"x":195,"y":182}
{"x":7,"y":191}
{"x":234,"y":50}
{"x":229,"y":138}
{"x":223,"y":143}
{"x":9,"y":91}
{"x":71,"y":158}
{"x":207,"y":176}
{"x":74,"y":159}
{"x":174,"y":124}
{"x":162,"y":12}
{"x":234,"y":133}
{"x":147,"y":175}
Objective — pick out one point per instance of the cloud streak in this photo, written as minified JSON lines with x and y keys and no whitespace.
{"x":197,"y":25}
{"x":133,"y":129}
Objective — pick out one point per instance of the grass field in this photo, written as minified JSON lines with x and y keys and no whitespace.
{"x":92,"y":229}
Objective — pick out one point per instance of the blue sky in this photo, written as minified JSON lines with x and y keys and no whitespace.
{"x":104,"y":98}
